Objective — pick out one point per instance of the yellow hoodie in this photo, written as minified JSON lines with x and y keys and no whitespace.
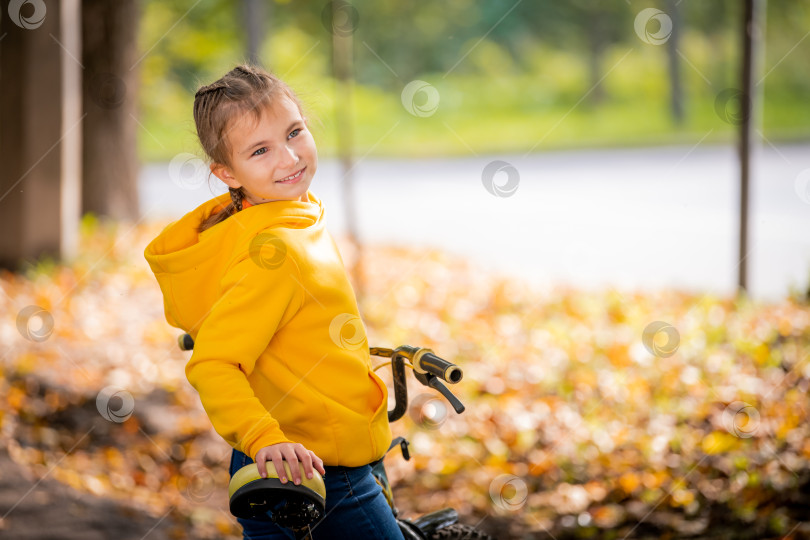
{"x":280,"y":352}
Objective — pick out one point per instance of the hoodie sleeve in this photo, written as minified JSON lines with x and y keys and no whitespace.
{"x":258,"y":297}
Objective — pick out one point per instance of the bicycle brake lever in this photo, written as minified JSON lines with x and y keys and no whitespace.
{"x":403,"y":445}
{"x":434,"y":382}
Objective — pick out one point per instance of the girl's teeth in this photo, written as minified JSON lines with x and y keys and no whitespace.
{"x":291,"y":177}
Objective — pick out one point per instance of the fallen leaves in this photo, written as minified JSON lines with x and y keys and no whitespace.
{"x":572,"y":424}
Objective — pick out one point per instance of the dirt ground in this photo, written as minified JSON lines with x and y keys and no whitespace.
{"x":32,"y":509}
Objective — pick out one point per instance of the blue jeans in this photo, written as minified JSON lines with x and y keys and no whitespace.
{"x":355,"y":508}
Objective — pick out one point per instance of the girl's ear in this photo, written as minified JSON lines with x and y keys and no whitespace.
{"x":223,"y":173}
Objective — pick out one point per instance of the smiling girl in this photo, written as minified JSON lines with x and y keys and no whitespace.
{"x":281,"y":360}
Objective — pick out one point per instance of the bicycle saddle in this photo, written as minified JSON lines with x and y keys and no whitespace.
{"x":267,"y":499}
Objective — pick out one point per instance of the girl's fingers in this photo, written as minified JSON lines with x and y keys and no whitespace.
{"x":292,"y":453}
{"x":278,"y":462}
{"x":292,"y":459}
{"x":260,"y":463}
{"x":317,"y":463}
{"x":306,"y":460}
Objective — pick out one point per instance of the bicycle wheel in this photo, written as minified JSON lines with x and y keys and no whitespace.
{"x":458,"y":531}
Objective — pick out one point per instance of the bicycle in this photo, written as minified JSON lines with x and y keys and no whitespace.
{"x":298,"y":507}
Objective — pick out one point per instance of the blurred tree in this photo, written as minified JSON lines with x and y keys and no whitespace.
{"x":40,"y":132}
{"x":601,"y":25}
{"x":675,"y":92}
{"x":498,"y":60}
{"x":586,"y":25}
{"x":256,"y":14}
{"x":191,"y":41}
{"x":715,"y":22}
{"x":435,"y":40}
{"x":109,"y":89}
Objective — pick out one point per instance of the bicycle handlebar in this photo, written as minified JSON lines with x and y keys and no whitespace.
{"x":441,"y":368}
{"x":428,"y":369}
{"x":424,"y":361}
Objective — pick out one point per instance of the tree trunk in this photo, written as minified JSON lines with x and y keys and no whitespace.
{"x":343,"y":23}
{"x":109,"y":97}
{"x":675,"y":92}
{"x":596,"y":44}
{"x":753,"y":32}
{"x":40,"y":125}
{"x":254,"y":13}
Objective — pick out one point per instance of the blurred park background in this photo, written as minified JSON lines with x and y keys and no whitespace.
{"x":545,"y":192}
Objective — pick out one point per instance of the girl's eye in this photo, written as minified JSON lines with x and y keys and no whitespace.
{"x":260,"y":151}
{"x":295,"y":131}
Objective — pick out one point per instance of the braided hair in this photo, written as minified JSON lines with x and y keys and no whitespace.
{"x":236,"y":197}
{"x":244,"y":89}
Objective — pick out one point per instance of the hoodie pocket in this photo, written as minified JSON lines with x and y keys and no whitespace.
{"x":383,"y":404}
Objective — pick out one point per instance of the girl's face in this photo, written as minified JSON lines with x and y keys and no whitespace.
{"x":265,"y":155}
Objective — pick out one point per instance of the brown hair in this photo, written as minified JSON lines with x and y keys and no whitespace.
{"x":246,"y":88}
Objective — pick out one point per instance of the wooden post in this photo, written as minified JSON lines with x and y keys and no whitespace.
{"x":40,"y":131}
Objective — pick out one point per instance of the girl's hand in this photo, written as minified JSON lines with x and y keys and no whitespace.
{"x":292,"y":452}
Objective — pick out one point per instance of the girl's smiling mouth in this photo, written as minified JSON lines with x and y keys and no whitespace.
{"x":292,"y":178}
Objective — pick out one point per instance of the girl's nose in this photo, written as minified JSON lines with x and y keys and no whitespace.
{"x":288,"y":157}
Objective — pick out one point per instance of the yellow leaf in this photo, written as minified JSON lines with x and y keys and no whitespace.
{"x":718,"y":442}
{"x":629,"y":482}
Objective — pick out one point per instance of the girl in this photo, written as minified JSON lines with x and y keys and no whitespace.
{"x":281,"y":361}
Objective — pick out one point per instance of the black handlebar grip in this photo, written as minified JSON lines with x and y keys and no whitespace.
{"x":443,"y":369}
{"x":185,"y":342}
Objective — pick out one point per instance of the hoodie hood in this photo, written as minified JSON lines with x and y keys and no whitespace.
{"x":188,"y":265}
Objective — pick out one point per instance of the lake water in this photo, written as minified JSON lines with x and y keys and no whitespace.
{"x":631,"y":218}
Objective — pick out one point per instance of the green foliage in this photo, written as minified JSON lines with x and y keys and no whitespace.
{"x":510,"y":77}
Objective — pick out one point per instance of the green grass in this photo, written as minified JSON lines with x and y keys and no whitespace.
{"x":477,"y":115}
